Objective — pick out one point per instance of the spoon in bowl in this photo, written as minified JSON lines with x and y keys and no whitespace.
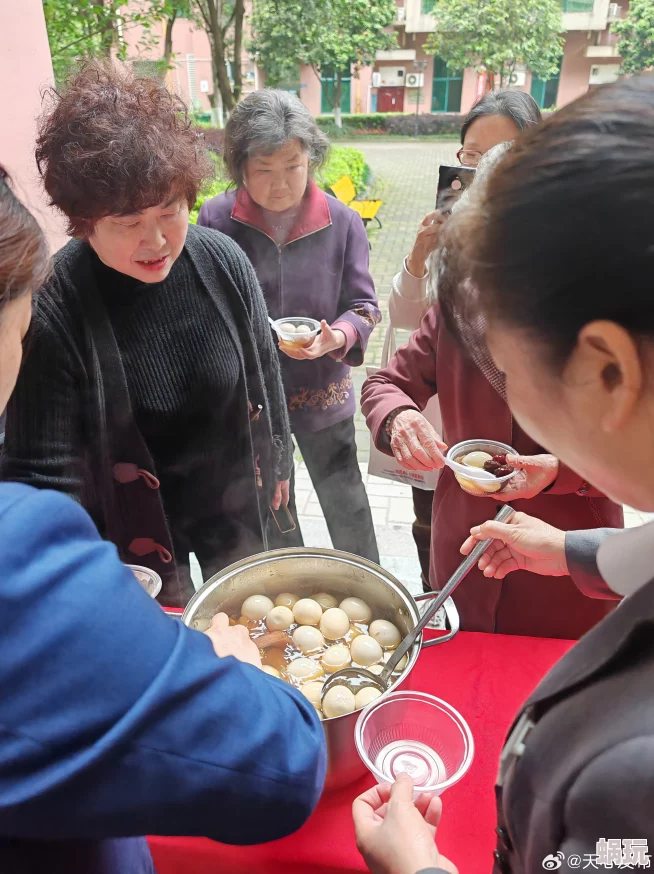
{"x":467,"y":470}
{"x":273,"y":325}
{"x":358,"y":678}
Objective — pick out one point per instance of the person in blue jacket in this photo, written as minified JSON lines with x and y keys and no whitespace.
{"x":115,"y":720}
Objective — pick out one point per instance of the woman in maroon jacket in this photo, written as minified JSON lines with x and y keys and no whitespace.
{"x":310,"y":253}
{"x":473,"y":405}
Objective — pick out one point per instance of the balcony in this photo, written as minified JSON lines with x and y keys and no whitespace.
{"x":395,"y":55}
{"x":602,"y":52}
{"x":615,"y":12}
{"x":418,"y":16}
{"x":585,"y":14}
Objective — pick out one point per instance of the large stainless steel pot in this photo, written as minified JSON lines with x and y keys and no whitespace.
{"x":304,"y":572}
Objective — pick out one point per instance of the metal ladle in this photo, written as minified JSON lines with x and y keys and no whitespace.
{"x":358,"y":678}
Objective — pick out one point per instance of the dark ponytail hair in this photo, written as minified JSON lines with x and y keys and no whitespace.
{"x":563,"y":232}
{"x":24,"y":253}
{"x":519,"y":106}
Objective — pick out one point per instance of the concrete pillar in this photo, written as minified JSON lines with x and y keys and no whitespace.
{"x":25,"y":69}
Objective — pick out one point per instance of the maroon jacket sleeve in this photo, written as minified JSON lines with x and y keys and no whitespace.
{"x":358,"y":303}
{"x":409,"y":381}
{"x":568,"y":482}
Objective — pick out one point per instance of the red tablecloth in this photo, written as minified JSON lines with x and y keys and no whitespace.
{"x":486,"y":677}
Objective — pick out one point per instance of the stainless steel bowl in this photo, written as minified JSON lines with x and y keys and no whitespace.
{"x":304,"y":572}
{"x":148,"y":579}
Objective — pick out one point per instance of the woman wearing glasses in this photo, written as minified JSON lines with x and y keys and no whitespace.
{"x":472,"y":395}
{"x":495,"y":119}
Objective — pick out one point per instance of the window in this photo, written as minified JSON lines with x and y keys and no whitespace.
{"x":446,"y":88}
{"x":327,"y":80}
{"x":544,"y":91}
{"x":577,"y":5}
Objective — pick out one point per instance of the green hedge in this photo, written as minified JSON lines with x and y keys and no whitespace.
{"x":370,"y":121}
{"x":344,"y":162}
{"x":404,"y":124}
{"x":341,"y":162}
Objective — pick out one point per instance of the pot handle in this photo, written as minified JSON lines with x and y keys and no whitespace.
{"x":451,"y":614}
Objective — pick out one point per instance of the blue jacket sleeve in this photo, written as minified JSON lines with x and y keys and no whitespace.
{"x":116,"y":720}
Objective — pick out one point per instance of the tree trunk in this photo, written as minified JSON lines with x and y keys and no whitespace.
{"x":216,"y":107}
{"x":336,"y":105}
{"x":239,"y":15}
{"x":217,"y":43}
{"x":168,"y":39}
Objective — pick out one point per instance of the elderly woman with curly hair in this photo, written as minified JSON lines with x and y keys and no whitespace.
{"x":311,"y":255}
{"x":152,"y":389}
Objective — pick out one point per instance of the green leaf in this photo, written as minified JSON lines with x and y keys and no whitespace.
{"x":499,"y":35}
{"x":330,"y":35}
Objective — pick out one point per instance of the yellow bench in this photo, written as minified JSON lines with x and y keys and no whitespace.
{"x":345,"y":191}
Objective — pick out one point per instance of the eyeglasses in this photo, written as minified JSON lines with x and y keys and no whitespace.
{"x":468,"y":158}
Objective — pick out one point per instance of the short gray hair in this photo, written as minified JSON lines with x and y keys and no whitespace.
{"x":263,"y":122}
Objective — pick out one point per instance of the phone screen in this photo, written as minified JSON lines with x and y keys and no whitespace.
{"x":452,"y":182}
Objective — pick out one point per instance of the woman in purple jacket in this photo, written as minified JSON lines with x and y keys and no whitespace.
{"x":310,"y":253}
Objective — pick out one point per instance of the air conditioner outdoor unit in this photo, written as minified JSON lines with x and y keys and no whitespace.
{"x":518,"y":78}
{"x":376,"y":80}
{"x":414,"y":80}
{"x":401,"y":13}
{"x":615,"y":11}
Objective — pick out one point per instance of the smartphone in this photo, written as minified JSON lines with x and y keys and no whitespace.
{"x":452,"y":182}
{"x":283,"y":519}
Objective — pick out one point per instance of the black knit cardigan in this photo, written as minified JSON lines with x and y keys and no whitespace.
{"x":70,"y":305}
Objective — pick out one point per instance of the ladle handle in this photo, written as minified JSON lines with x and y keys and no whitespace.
{"x":459,"y":574}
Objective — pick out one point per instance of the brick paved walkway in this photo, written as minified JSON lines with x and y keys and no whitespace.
{"x":405,"y":177}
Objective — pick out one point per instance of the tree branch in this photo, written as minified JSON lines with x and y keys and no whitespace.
{"x":229,"y":21}
{"x":60,"y":50}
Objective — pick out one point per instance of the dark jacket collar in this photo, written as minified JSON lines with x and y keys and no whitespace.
{"x":604,"y":644}
{"x":314,"y":215}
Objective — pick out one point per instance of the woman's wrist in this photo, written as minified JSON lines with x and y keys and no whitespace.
{"x":416,"y":266}
{"x":388,"y":424}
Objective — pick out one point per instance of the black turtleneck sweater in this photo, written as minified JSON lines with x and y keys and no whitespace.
{"x":183,"y":373}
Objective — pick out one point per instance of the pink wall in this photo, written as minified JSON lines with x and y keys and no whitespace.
{"x":310,"y":92}
{"x":194,"y":41}
{"x":25,"y":68}
{"x":575,"y":70}
{"x":361,"y":86}
{"x":469,"y":90}
{"x":188,"y":39}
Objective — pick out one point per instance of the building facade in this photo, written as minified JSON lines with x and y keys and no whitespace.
{"x":406,"y":78}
